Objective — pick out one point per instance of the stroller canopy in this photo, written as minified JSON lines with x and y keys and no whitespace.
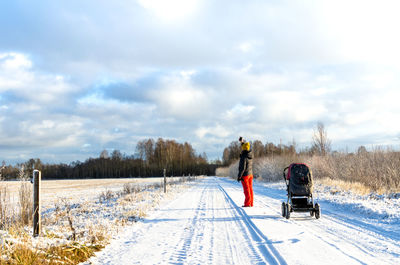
{"x":300,"y":179}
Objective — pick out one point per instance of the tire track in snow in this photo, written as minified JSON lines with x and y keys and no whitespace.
{"x":328,"y":226}
{"x":361,"y":226}
{"x":330,"y":242}
{"x":173,"y":237}
{"x":264,"y":245}
{"x":239,"y":243}
{"x":325,"y":229}
{"x":311,"y":231}
{"x":216,"y":232}
{"x":344,"y":219}
{"x":223,"y":230}
{"x":364,"y":230}
{"x":332,"y":229}
{"x":204,"y":225}
{"x":183,"y":246}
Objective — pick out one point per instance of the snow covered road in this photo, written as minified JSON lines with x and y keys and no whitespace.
{"x":206,"y":225}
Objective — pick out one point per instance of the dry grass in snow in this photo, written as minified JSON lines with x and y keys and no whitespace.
{"x":77,"y":225}
{"x":376,"y":171}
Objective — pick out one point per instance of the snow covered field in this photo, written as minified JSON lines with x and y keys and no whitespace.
{"x":76,"y":190}
{"x":205,"y":225}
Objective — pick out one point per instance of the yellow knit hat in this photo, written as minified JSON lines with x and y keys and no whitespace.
{"x":246,"y":146}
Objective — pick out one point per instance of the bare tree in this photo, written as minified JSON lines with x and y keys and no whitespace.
{"x":3,"y":166}
{"x":258,"y":148}
{"x":104,"y":154}
{"x":362,"y":150}
{"x":116,"y":155}
{"x":231,"y":153}
{"x":22,"y":174}
{"x":321,"y":143}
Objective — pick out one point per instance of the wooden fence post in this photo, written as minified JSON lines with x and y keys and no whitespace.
{"x":37,"y":178}
{"x":165,"y":180}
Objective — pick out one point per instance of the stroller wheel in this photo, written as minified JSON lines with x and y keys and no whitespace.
{"x":283,"y":209}
{"x":287,"y":211}
{"x":312,"y":213}
{"x":317,"y":211}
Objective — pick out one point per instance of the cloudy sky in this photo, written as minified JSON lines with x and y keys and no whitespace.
{"x":77,"y":77}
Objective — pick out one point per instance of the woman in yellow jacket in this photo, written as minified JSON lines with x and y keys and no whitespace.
{"x":245,"y":174}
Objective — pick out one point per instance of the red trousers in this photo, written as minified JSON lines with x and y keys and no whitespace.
{"x":247,"y":183}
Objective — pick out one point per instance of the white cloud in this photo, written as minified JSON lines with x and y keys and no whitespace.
{"x":187,"y":74}
{"x":246,"y":68}
{"x":269,"y":70}
{"x":178,"y":98}
{"x":365,"y":32}
{"x":215,"y":131}
{"x":14,"y":71}
{"x":18,"y":77}
{"x":12,"y":60}
{"x":172,"y":10}
{"x":245,"y":47}
{"x":238,"y":112}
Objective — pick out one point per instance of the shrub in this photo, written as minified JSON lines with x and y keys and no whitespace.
{"x":378,"y":169}
{"x":25,"y":202}
{"x":4,"y":206}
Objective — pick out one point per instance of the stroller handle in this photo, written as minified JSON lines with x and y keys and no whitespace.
{"x":284,"y":174}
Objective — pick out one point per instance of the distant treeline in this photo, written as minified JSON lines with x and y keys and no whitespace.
{"x":375,"y":170}
{"x":321,"y":145}
{"x":149,"y":161}
{"x":232,"y":152}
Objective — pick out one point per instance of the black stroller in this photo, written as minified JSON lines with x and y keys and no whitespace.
{"x":299,"y":183}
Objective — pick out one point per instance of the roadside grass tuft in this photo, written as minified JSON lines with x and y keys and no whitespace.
{"x":25,"y":203}
{"x":4,"y":207}
{"x":73,"y":253}
{"x":106,"y":195}
{"x":342,"y":185}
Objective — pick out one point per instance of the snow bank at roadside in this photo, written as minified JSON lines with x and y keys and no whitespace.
{"x":372,"y":206}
